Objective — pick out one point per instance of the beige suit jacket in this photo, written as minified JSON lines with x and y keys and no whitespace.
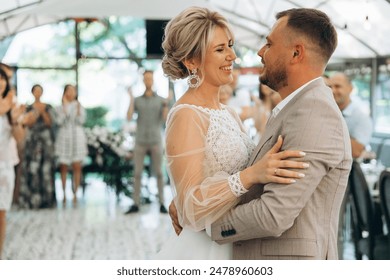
{"x":300,"y":220}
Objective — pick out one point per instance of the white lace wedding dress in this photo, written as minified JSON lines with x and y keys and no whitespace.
{"x":205,"y":149}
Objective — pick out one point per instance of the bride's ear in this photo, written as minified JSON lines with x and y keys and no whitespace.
{"x":191,"y":64}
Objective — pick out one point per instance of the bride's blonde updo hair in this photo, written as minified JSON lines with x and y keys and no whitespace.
{"x":188,"y":36}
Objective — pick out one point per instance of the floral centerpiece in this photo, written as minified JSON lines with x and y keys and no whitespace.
{"x":110,"y":155}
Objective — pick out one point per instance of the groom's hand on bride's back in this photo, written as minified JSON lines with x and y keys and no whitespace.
{"x":174,"y":218}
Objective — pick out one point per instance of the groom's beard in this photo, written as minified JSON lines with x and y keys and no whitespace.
{"x":275,"y":76}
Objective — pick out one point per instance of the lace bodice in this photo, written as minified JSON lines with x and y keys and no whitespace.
{"x":205,"y":149}
{"x":228,"y":148}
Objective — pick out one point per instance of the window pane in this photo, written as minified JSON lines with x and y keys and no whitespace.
{"x":382,"y":100}
{"x":113,"y":37}
{"x":361,"y":80}
{"x":105,"y":83}
{"x":46,"y":46}
{"x":52,"y":81}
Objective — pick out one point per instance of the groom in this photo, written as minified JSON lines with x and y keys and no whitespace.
{"x":297,"y":221}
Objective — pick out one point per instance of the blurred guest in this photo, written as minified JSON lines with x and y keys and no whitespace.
{"x":71,"y":143}
{"x":240,"y":100}
{"x":5,"y":100}
{"x":359,"y":123}
{"x":38,"y":167}
{"x":227,"y":97}
{"x":11,"y":129}
{"x":10,"y":73}
{"x":152,"y":113}
{"x":225,"y":93}
{"x":267,"y":101}
{"x":326,"y":79}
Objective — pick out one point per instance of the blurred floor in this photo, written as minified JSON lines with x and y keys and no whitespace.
{"x":94,"y":229}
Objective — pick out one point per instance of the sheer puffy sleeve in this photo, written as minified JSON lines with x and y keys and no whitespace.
{"x":200,"y":198}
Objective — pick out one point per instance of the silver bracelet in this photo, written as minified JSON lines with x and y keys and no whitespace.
{"x":235,"y":185}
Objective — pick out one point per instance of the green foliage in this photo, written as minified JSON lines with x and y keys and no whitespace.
{"x":96,"y":116}
{"x":109,"y":159}
{"x":122,"y":37}
{"x":59,"y":51}
{"x":113,"y":37}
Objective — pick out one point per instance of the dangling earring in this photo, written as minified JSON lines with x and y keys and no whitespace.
{"x":193,"y":79}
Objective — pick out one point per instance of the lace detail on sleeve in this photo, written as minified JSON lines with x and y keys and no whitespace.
{"x":235,"y":185}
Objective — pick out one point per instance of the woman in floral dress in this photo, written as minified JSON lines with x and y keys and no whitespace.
{"x":37,"y":185}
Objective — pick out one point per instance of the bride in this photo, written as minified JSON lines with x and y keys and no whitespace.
{"x":207,"y":147}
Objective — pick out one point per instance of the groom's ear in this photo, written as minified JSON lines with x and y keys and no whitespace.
{"x":298,"y":52}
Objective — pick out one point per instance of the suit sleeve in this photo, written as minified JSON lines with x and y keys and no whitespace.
{"x":316,"y":128}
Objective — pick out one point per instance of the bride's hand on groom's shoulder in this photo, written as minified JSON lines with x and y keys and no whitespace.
{"x":174,"y":218}
{"x":275,"y":166}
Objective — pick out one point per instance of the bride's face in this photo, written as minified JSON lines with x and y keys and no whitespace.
{"x":218,"y":66}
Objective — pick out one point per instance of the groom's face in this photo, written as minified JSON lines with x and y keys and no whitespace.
{"x":274,"y":57}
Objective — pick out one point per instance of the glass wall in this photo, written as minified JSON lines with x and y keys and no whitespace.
{"x":113,"y":37}
{"x":106,"y":83}
{"x":48,"y":46}
{"x":374,"y":99}
{"x":52,"y":81}
{"x":104,"y":58}
{"x":382,"y":98}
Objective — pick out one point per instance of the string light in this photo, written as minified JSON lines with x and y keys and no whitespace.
{"x":367,"y":24}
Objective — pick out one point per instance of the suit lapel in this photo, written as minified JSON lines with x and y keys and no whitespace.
{"x":275,"y":122}
{"x":269,"y":132}
{"x":257,"y":149}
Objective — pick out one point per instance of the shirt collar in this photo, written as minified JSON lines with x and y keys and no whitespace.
{"x":285,"y":101}
{"x":348,"y":110}
{"x":153,"y":95}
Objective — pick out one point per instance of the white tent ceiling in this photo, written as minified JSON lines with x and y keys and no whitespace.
{"x":362,"y":25}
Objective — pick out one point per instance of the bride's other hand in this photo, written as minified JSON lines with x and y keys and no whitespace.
{"x":174,"y":218}
{"x":274,"y":167}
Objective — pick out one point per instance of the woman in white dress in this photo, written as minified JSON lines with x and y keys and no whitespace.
{"x":11,"y":130}
{"x":207,"y":147}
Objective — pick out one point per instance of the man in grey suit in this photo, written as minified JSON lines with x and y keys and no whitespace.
{"x":297,"y":221}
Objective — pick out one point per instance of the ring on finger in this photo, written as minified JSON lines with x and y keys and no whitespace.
{"x":276,"y":172}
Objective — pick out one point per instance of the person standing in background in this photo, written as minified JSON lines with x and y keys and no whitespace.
{"x":9,"y":71}
{"x":240,"y":100}
{"x":264,"y":104}
{"x":225,"y":93}
{"x":359,"y":123}
{"x":37,"y":189}
{"x":5,"y":99}
{"x":152,"y":113}
{"x":71,"y":143}
{"x":11,"y":129}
